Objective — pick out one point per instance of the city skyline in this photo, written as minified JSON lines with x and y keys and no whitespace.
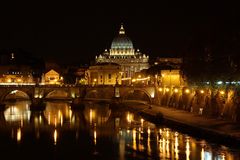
{"x":74,"y":34}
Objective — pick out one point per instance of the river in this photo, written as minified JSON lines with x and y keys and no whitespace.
{"x":96,"y":131}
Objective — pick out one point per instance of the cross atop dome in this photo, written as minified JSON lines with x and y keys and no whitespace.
{"x":121,"y":31}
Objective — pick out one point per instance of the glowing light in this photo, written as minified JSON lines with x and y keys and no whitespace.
{"x":160,"y":89}
{"x":167,"y":89}
{"x":187,"y":91}
{"x":176,"y":90}
{"x":176,"y":146}
{"x":55,"y":136}
{"x":142,"y":120}
{"x":134,"y":139}
{"x":202,"y":154}
{"x":202,"y":91}
{"x":223,"y":157}
{"x":13,"y":92}
{"x":9,"y":80}
{"x":90,"y":116}
{"x":133,"y":80}
{"x":219,"y":82}
{"x":129,"y":117}
{"x":187,"y":149}
{"x":19,"y":134}
{"x":148,"y":142}
{"x":95,"y":136}
{"x":19,"y":80}
{"x":94,"y":79}
{"x":40,"y":119}
{"x":222,"y":92}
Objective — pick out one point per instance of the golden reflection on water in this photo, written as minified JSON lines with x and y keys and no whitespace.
{"x":148,"y":141}
{"x":19,"y":134}
{"x":133,"y":131}
{"x":57,"y":113}
{"x":95,"y":136}
{"x":134,"y":139}
{"x":202,"y":153}
{"x":187,"y":148}
{"x":17,"y":112}
{"x":176,"y":144}
{"x":55,"y":135}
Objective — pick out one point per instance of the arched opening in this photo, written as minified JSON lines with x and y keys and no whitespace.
{"x":16,"y":95}
{"x":92,"y":94}
{"x":58,"y":95}
{"x":137,"y":95}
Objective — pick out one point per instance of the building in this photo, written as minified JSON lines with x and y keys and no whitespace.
{"x":12,"y":74}
{"x":52,"y":77}
{"x":174,"y":63}
{"x":104,"y":74}
{"x":123,"y":53}
{"x":171,"y":78}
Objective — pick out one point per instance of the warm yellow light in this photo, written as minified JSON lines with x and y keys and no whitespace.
{"x":19,"y":80}
{"x":187,"y":91}
{"x":9,"y":80}
{"x":94,"y":79}
{"x":95,"y":137}
{"x":142,"y":120}
{"x":133,"y":80}
{"x":176,"y":90}
{"x":202,"y":91}
{"x":19,"y":134}
{"x":167,"y":89}
{"x":139,"y":76}
{"x":163,"y":75}
{"x":129,"y":117}
{"x":61,"y":78}
{"x":55,"y":136}
{"x":160,"y":89}
{"x":222,"y":92}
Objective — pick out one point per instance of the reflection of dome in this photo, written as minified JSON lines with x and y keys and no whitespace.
{"x":122,"y":41}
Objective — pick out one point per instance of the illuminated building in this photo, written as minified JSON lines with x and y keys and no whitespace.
{"x":10,"y":74}
{"x":52,"y":77}
{"x":123,"y":53}
{"x":171,"y":78}
{"x":104,"y":74}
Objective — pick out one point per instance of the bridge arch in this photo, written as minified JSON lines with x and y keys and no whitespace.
{"x":57,"y":94}
{"x":99,"y":93}
{"x":138,"y":95}
{"x":15,"y":95}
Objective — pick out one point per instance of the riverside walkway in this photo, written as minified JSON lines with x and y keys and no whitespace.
{"x":222,"y":131}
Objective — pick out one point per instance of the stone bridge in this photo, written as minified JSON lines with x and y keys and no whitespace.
{"x":69,"y":92}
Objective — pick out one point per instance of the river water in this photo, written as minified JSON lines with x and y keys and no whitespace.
{"x":96,"y":131}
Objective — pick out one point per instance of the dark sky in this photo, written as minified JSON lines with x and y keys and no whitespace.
{"x":76,"y":32}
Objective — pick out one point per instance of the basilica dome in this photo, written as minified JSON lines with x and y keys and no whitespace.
{"x":122,"y":41}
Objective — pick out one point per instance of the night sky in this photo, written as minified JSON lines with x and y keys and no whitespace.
{"x":76,"y":33}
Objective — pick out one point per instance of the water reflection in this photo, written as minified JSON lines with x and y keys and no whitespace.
{"x":57,"y":113}
{"x":100,"y":129}
{"x":17,"y":112}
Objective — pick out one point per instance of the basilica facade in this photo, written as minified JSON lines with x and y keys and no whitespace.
{"x":123,"y":53}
